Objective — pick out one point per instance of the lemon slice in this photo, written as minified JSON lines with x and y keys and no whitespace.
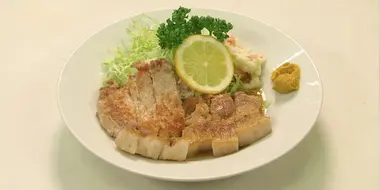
{"x":204,"y":64}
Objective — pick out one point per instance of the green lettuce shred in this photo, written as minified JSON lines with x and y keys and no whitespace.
{"x":144,"y":45}
{"x":235,"y":85}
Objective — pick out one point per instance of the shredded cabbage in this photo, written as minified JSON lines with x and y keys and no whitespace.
{"x":143,"y":46}
{"x":235,"y":85}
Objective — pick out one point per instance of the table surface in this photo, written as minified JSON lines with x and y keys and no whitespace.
{"x":39,"y":153}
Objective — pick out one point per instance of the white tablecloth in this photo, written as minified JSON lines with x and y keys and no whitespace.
{"x":39,"y":153}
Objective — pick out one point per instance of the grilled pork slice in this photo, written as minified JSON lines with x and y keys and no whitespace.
{"x":251,"y":123}
{"x":116,"y":109}
{"x":199,"y":115}
{"x":205,"y":134}
{"x":128,"y":140}
{"x":158,"y":114}
{"x":145,"y":101}
{"x":218,"y":136}
{"x":146,"y":116}
{"x":133,"y":142}
{"x":195,"y":122}
{"x":176,"y":149}
{"x":190,"y":103}
{"x":184,"y":90}
{"x":225,"y":140}
{"x":170,"y":116}
{"x":222,"y":107}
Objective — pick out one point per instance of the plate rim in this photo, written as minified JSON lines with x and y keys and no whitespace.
{"x":181,"y":179}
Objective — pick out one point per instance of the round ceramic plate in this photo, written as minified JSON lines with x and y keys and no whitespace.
{"x":293,"y":115}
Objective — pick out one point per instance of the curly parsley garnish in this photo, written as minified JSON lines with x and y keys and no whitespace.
{"x":180,"y":26}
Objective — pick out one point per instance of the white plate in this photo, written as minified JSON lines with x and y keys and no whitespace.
{"x":293,"y":115}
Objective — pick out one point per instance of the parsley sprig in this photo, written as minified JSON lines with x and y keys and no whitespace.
{"x":172,"y":33}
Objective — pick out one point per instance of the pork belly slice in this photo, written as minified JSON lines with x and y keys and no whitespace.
{"x":199,"y":115}
{"x":200,"y":141}
{"x":150,"y":146}
{"x":205,"y":135}
{"x":169,"y":116}
{"x":115,"y":108}
{"x":159,"y":114}
{"x":126,"y":113}
{"x":128,"y":140}
{"x":184,"y":90}
{"x":190,"y":103}
{"x":176,"y":149}
{"x":252,"y":130}
{"x":222,"y":107}
{"x":218,"y":136}
{"x":133,"y":142}
{"x":146,"y":117}
{"x":144,"y":101}
{"x":130,"y":111}
{"x":248,"y":105}
{"x":196,"y":122}
{"x":226,"y":140}
{"x":251,"y":123}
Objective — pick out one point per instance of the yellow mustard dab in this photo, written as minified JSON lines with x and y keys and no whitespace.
{"x":286,"y":78}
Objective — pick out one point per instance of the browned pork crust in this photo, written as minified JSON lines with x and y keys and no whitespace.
{"x":146,"y":116}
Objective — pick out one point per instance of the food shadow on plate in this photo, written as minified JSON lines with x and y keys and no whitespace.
{"x":75,"y":168}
